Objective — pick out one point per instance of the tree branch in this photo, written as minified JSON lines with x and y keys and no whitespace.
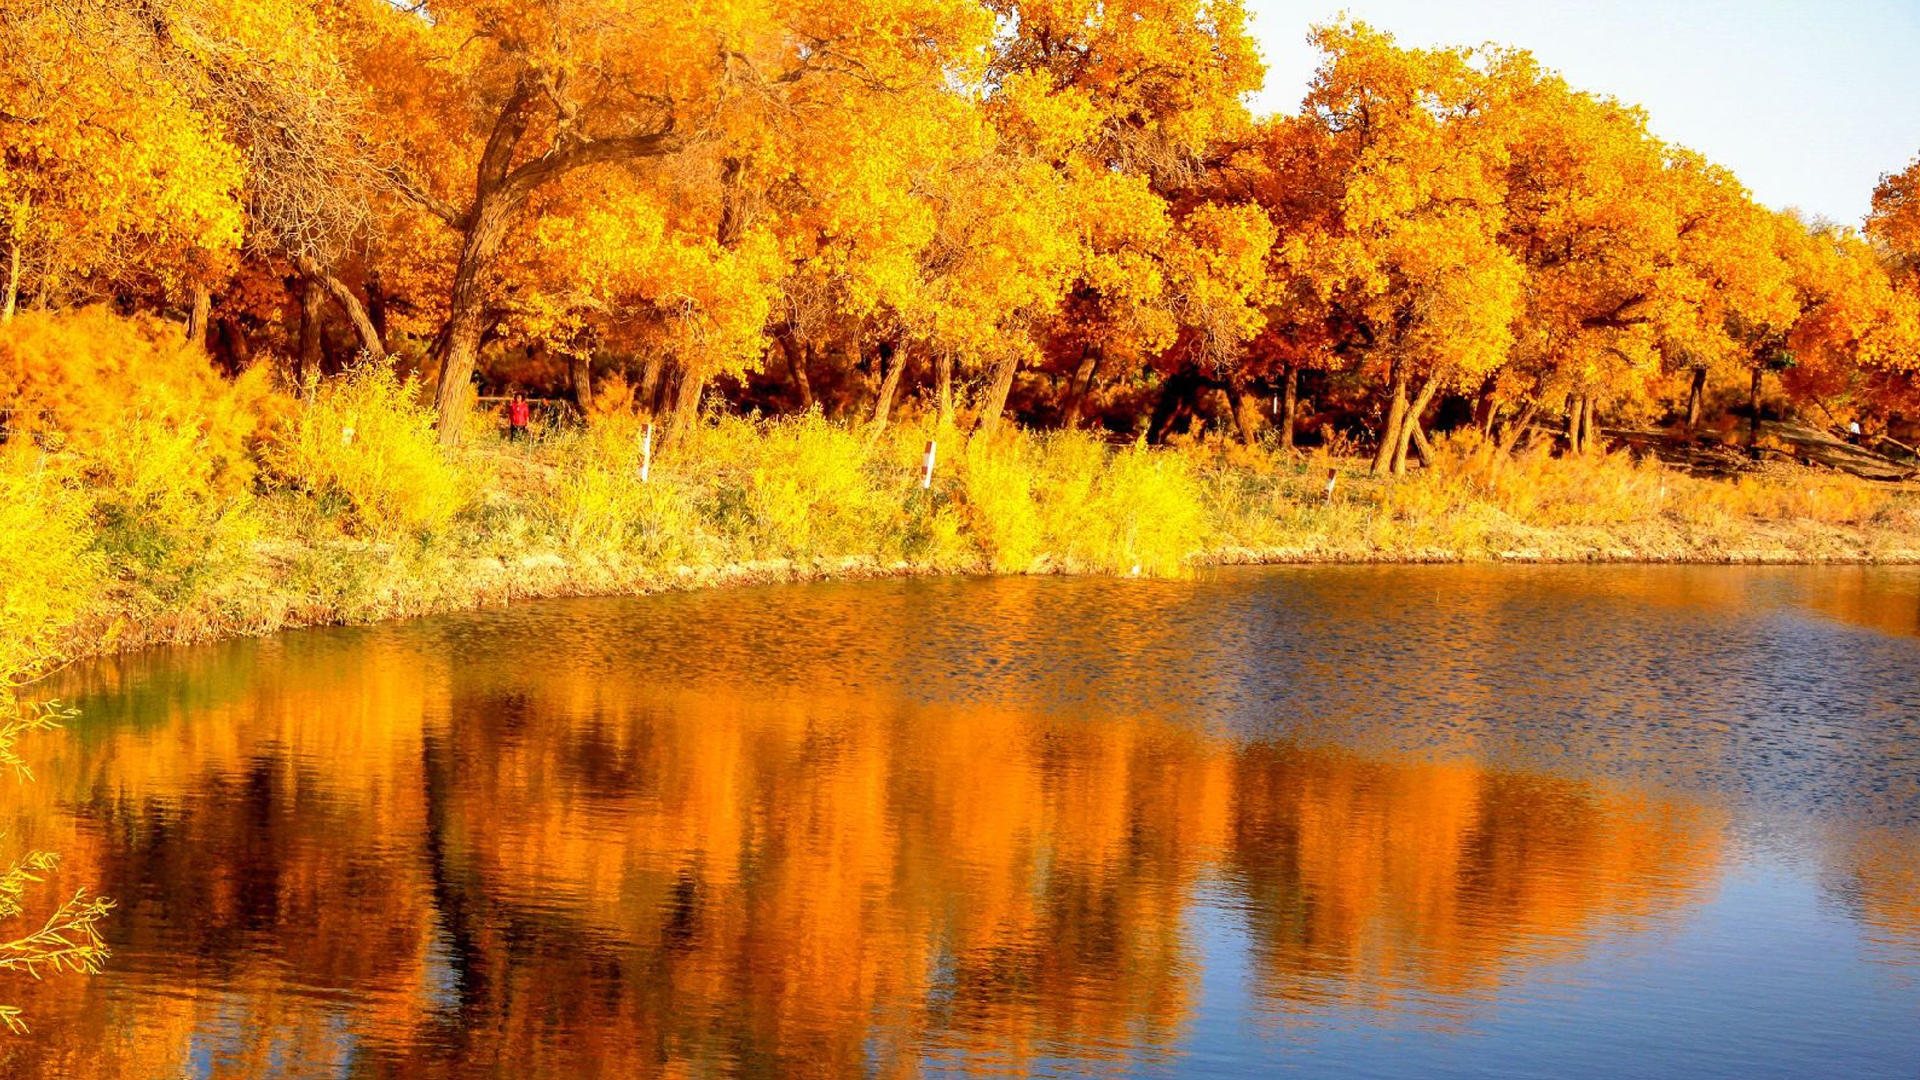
{"x":406,"y":185}
{"x":356,"y":311}
{"x":597,"y":152}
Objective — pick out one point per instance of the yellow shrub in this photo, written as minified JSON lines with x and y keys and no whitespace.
{"x":1066,"y":482}
{"x":366,"y":442}
{"x":1829,"y":500}
{"x":71,"y":376}
{"x":996,"y":482}
{"x":161,"y":442}
{"x":48,"y":571}
{"x":812,"y":491}
{"x":1068,"y":497}
{"x":1151,"y":513}
{"x":598,"y":504}
{"x":170,"y":521}
{"x":1532,"y":486}
{"x":933,"y":525}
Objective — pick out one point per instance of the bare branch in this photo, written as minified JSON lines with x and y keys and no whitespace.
{"x":404,"y":183}
{"x":597,"y":152}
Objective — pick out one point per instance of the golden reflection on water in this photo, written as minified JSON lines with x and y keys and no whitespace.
{"x":384,"y":853}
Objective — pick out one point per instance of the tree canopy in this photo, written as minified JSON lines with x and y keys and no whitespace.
{"x":1059,"y":210}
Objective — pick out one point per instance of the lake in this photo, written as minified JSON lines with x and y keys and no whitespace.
{"x":1335,"y":822}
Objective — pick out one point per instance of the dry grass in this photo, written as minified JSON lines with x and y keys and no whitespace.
{"x":388,"y":523}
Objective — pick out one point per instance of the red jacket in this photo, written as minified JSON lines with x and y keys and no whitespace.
{"x":519,"y":413}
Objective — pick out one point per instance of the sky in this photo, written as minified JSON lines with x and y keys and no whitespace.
{"x":1807,"y":101}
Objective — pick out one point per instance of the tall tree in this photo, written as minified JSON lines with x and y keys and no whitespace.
{"x":110,"y":178}
{"x":535,"y":95}
{"x":1403,"y":249}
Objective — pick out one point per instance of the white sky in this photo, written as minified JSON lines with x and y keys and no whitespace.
{"x":1809,"y":102}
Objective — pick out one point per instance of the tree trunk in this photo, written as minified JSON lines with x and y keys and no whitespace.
{"x":943,"y":385}
{"x":239,"y":351}
{"x":796,"y":355}
{"x":43,"y":292}
{"x":197,"y":313}
{"x":11,"y":297}
{"x":1289,"y":404}
{"x":1178,"y":395}
{"x":376,"y":305}
{"x":1078,"y":387}
{"x":466,"y":312}
{"x":801,"y":361}
{"x":1485,"y":410}
{"x":313,"y":302}
{"x":1420,"y":444}
{"x":647,"y":396}
{"x":1410,"y":422}
{"x":1511,"y":436}
{"x":889,"y":387}
{"x":1486,"y":413}
{"x":1696,"y":397}
{"x":363,"y":324}
{"x":1396,"y":418}
{"x":1243,"y":408}
{"x":996,"y":400}
{"x":686,"y":402}
{"x":1753,"y":415}
{"x":580,"y":374}
{"x":330,"y":362}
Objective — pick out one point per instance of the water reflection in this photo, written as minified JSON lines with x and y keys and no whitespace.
{"x":976,"y":826}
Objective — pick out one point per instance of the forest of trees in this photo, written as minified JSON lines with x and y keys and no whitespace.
{"x":1061,"y":212}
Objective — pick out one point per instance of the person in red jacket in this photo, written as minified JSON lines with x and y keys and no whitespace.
{"x":519,"y":414}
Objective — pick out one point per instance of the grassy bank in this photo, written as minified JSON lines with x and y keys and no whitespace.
{"x":160,"y":525}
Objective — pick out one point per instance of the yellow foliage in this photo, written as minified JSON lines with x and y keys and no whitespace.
{"x":1829,"y":500}
{"x":366,"y":441}
{"x":48,"y":570}
{"x":1532,"y":487}
{"x":98,"y":182}
{"x":598,"y":503}
{"x":162,"y":443}
{"x":792,"y":488}
{"x":997,"y":479}
{"x":164,"y":508}
{"x":1406,"y":241}
{"x":1082,"y":506}
{"x":79,"y":374}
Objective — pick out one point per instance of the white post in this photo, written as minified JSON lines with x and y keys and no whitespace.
{"x":646,"y":455}
{"x":1332,"y":478}
{"x":926,"y":477}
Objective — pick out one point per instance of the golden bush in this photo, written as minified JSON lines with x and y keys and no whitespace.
{"x":365,"y":443}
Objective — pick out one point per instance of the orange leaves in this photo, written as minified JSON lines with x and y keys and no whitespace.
{"x":1069,"y":179}
{"x":1895,"y":223}
{"x":97,"y":181}
{"x":1895,"y":220}
{"x":1216,"y":269}
{"x":1405,"y":251}
{"x":1857,"y":337}
{"x":84,"y":372}
{"x":1164,"y":77}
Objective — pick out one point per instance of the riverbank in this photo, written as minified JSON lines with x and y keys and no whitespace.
{"x":198,"y":507}
{"x":231,"y":511}
{"x":488,"y":582}
{"x":1232,"y":508}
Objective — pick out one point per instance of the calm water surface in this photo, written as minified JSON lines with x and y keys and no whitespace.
{"x":1565,"y":822}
